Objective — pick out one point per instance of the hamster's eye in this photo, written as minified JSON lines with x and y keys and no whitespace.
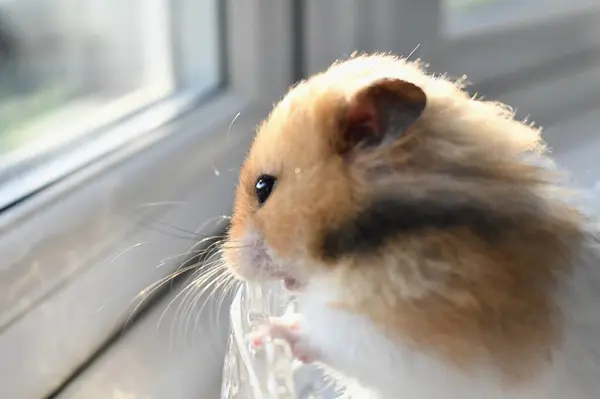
{"x":264,"y":185}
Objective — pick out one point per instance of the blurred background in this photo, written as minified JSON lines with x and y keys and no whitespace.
{"x":122,"y":127}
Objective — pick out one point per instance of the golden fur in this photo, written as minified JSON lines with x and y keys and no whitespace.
{"x":447,"y":291}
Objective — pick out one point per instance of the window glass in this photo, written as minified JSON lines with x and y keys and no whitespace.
{"x":71,"y":67}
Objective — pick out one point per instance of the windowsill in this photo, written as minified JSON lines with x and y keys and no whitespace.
{"x":162,"y":356}
{"x":71,"y":281}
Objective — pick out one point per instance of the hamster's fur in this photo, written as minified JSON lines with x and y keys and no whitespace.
{"x":430,"y":256}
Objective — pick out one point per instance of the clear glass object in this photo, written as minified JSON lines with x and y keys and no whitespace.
{"x":269,"y":372}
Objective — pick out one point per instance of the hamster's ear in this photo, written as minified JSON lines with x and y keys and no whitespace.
{"x":380,"y":113}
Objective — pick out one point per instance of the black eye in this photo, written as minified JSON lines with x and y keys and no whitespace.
{"x":264,"y":185}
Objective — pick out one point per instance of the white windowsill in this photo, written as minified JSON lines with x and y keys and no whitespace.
{"x":75,"y":291}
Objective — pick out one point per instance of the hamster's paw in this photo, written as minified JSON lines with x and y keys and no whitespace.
{"x":291,"y":329}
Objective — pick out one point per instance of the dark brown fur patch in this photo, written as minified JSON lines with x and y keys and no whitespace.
{"x":472,"y":299}
{"x":434,"y":204}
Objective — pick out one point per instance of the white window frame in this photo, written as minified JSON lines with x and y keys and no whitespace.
{"x":78,"y":227}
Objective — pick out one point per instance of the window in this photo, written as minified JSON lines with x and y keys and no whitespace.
{"x":76,"y":66}
{"x":463,"y":17}
{"x":69,"y":69}
{"x":116,"y":125}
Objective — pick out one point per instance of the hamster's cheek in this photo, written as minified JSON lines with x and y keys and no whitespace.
{"x":303,"y":207}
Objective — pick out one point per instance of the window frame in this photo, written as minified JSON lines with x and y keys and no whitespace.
{"x":417,"y":28}
{"x":70,"y":225}
{"x":534,"y":43}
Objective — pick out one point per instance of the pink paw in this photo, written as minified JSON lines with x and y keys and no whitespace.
{"x":288,"y":329}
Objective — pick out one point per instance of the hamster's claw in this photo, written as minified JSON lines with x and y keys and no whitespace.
{"x":289,"y":330}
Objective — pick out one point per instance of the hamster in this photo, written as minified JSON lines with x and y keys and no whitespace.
{"x":431,"y":255}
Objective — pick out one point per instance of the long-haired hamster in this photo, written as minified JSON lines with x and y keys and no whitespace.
{"x":431,"y":254}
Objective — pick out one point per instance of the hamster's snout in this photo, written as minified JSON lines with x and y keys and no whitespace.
{"x":259,"y":254}
{"x":252,"y":259}
{"x":249,"y":257}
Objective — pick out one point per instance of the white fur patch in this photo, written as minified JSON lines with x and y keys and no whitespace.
{"x":351,"y":345}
